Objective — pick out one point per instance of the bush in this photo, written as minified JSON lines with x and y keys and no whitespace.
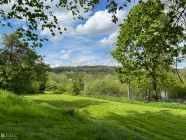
{"x":78,"y":84}
{"x":51,"y":85}
{"x":59,"y":83}
{"x":107,"y":85}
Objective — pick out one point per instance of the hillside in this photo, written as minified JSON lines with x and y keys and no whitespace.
{"x":86,"y":69}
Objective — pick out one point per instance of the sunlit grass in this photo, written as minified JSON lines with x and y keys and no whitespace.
{"x":160,"y":103}
{"x":94,"y":118}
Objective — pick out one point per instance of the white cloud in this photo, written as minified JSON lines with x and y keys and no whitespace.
{"x":64,"y":16}
{"x":100,"y":23}
{"x":56,"y":39}
{"x":6,"y":7}
{"x":53,"y":60}
{"x":87,"y":52}
{"x":110,"y":40}
{"x":64,"y":51}
{"x":65,"y":54}
{"x":67,"y":57}
{"x":65,"y":20}
{"x":110,"y":62}
{"x":84,"y":60}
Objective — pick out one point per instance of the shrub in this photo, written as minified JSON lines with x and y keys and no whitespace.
{"x":59,"y":83}
{"x":106,"y":85}
{"x":78,"y":84}
{"x":51,"y":85}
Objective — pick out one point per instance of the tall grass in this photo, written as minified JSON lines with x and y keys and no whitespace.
{"x":13,"y":105}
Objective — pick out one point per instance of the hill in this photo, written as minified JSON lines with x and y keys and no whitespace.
{"x":86,"y":69}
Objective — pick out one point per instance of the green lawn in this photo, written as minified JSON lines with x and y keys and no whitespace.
{"x":95,"y":119}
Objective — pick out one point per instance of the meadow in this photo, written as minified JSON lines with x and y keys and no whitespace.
{"x":41,"y":116}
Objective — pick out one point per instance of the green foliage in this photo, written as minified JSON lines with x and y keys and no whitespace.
{"x":148,"y":44}
{"x":86,"y":69}
{"x":106,"y":85}
{"x":65,"y":82}
{"x":22,"y":70}
{"x":85,"y":83}
{"x":59,"y":83}
{"x":51,"y":85}
{"x":78,"y":84}
{"x":41,"y":13}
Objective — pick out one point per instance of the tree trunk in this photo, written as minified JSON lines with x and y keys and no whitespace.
{"x":128,"y":88}
{"x":149,"y":94}
{"x":154,"y":84}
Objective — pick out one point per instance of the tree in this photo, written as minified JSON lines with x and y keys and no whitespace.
{"x":126,"y":76}
{"x":21,"y":67}
{"x":148,"y":42}
{"x":77,"y":81}
{"x":38,"y":13}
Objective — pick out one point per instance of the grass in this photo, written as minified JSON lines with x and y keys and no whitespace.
{"x":160,"y":103}
{"x":41,"y":117}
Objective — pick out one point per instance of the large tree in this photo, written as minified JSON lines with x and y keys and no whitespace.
{"x":21,"y":67}
{"x":37,"y":14}
{"x":149,"y":43}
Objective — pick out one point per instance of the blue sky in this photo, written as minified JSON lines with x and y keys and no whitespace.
{"x":86,"y":42}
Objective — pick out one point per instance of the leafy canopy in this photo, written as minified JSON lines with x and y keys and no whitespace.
{"x":148,"y":43}
{"x":38,"y":13}
{"x":21,"y":69}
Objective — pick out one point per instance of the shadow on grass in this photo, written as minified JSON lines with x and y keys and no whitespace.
{"x":130,"y":125}
{"x":153,"y":125}
{"x":71,"y":104}
{"x":59,"y":127}
{"x":156,"y":125}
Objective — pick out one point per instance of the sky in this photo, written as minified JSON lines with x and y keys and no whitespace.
{"x":86,"y":42}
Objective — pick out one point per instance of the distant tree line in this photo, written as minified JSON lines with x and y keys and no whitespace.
{"x":85,"y":69}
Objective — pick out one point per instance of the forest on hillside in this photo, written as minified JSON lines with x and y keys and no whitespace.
{"x":86,"y":69}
